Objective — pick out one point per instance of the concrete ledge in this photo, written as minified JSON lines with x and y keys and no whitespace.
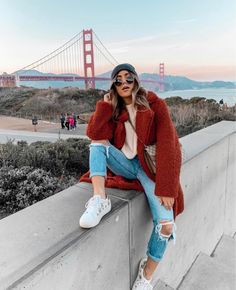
{"x":43,"y":247}
{"x":199,"y":141}
{"x":32,"y":237}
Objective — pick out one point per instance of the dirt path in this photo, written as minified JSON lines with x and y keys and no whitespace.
{"x":13,"y":123}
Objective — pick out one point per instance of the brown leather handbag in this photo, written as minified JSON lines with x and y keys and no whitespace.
{"x":150,"y":157}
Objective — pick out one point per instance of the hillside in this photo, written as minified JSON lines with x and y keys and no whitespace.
{"x":184,"y":83}
{"x":171,"y":82}
{"x":188,"y":115}
{"x":47,"y":102}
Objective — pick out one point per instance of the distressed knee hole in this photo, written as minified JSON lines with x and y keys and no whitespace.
{"x":166,"y":230}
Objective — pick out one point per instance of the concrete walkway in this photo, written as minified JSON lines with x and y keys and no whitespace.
{"x":215,"y":272}
{"x":30,"y":137}
{"x":81,"y":130}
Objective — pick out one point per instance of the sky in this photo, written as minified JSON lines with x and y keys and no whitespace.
{"x":196,"y":39}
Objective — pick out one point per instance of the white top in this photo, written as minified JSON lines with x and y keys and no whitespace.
{"x":130,"y":146}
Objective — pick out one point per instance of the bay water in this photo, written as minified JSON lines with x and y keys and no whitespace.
{"x":228,"y":95}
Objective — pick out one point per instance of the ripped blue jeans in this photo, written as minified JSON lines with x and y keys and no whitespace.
{"x":103,"y":156}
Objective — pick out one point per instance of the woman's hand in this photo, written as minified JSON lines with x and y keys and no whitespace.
{"x":166,"y":201}
{"x":107,"y":98}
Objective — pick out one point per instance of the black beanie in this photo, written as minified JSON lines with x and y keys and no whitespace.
{"x":123,"y":66}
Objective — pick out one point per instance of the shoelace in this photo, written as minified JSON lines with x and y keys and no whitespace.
{"x":93,"y":201}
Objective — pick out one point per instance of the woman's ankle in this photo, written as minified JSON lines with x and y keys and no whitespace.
{"x":102,"y":195}
{"x":146,"y":274}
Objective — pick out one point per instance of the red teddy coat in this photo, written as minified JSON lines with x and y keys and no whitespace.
{"x":152,"y":125}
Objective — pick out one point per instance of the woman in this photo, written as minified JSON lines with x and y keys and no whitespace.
{"x":127,"y":119}
{"x":71,"y":122}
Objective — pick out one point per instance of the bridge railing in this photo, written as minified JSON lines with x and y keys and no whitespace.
{"x":43,"y":247}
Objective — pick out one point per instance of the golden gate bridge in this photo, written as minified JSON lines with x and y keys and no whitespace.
{"x":74,"y":61}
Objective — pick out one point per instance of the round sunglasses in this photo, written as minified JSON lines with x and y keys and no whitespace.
{"x":118,"y":82}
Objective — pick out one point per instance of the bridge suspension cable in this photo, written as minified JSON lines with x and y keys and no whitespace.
{"x":115,"y":61}
{"x":83,"y":59}
{"x":53,"y":54}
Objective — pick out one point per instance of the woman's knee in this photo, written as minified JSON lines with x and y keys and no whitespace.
{"x":166,"y":228}
{"x":99,"y":146}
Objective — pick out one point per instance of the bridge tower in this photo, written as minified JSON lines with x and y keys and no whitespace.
{"x":7,"y":81}
{"x":88,"y":59}
{"x":161,"y":77}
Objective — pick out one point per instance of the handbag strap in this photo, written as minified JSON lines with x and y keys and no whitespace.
{"x":135,"y":131}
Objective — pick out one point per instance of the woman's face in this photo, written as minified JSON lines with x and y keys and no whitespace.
{"x":124,"y":85}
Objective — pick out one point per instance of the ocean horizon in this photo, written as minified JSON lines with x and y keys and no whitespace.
{"x":228,"y":95}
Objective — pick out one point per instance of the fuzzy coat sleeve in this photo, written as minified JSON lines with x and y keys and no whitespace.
{"x":168,"y":154}
{"x":100,"y":125}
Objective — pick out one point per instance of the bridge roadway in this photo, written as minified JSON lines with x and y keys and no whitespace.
{"x":30,"y":137}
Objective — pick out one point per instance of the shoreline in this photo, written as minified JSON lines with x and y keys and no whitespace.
{"x":228,"y":95}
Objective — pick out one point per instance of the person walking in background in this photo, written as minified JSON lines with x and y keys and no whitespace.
{"x":62,"y":119}
{"x":67,"y":124}
{"x":71,"y":122}
{"x":75,"y":120}
{"x":125,"y":121}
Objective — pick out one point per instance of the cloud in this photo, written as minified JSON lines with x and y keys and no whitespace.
{"x":131,"y":41}
{"x":146,"y":46}
{"x":145,"y":39}
{"x":119,"y":50}
{"x":176,"y":48}
{"x":187,"y":20}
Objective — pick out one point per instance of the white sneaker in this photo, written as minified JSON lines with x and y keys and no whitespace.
{"x":141,"y":283}
{"x":96,"y":208}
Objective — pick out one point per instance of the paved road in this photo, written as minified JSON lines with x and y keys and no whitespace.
{"x":31,"y":137}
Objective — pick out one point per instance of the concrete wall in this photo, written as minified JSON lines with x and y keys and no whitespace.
{"x":230,"y":188}
{"x":208,"y":183}
{"x":43,"y":247}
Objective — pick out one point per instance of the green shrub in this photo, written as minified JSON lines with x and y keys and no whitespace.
{"x":197,"y":113}
{"x":30,"y":173}
{"x":62,"y":158}
{"x":21,"y":187}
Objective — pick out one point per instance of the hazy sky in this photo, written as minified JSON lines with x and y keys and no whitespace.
{"x":193,"y":38}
